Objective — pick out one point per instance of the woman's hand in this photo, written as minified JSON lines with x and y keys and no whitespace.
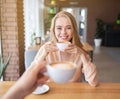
{"x":50,"y":47}
{"x":44,"y":50}
{"x":71,"y":48}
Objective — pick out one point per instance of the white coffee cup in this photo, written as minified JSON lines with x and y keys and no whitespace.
{"x":62,"y":45}
{"x":61,"y":72}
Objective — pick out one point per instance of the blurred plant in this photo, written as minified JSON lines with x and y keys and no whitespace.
{"x":118,"y":19}
{"x":99,"y":28}
{"x":3,"y":65}
{"x":33,"y":35}
{"x":48,"y":20}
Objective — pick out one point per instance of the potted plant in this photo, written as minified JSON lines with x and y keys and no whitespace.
{"x":99,"y":32}
{"x":3,"y":65}
{"x":118,"y":19}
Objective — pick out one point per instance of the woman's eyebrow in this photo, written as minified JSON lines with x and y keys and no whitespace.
{"x":58,"y":26}
{"x":65,"y":26}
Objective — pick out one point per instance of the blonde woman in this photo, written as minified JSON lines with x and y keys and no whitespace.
{"x":64,"y":29}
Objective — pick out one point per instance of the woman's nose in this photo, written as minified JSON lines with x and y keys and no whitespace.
{"x":63,"y":31}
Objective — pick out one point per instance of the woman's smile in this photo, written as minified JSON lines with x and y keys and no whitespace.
{"x":63,"y":37}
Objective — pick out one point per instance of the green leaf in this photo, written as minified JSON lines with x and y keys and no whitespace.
{"x":3,"y":66}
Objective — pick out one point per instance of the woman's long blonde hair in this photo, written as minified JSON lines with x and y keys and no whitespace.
{"x":76,"y":38}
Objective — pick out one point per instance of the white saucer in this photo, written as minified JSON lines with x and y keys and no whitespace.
{"x":41,"y":89}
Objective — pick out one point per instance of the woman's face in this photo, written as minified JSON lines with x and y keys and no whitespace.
{"x":63,"y":29}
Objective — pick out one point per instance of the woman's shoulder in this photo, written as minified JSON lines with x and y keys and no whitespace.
{"x":82,"y":51}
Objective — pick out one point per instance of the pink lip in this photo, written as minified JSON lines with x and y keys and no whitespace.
{"x":63,"y":37}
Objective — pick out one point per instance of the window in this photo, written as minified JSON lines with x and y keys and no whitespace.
{"x":33,"y":20}
{"x":80,"y":15}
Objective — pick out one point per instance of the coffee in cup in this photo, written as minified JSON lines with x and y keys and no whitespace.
{"x":61,"y":72}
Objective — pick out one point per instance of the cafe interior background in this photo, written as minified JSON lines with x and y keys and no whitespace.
{"x":22,"y":21}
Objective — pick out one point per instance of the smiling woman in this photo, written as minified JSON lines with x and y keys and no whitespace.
{"x":64,"y":29}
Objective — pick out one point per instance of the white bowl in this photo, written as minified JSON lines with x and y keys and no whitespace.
{"x":61,"y":75}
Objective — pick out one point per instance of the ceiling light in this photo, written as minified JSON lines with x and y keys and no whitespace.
{"x":53,"y":2}
{"x":73,"y":3}
{"x":62,"y":0}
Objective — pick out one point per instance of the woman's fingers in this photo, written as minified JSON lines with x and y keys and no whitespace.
{"x":51,"y":48}
{"x":42,"y":79}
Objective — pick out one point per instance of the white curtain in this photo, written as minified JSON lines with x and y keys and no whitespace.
{"x":33,"y":20}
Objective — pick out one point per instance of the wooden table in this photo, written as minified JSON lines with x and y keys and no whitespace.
{"x":73,"y":91}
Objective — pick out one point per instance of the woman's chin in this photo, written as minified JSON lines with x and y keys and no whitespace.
{"x":63,"y":40}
